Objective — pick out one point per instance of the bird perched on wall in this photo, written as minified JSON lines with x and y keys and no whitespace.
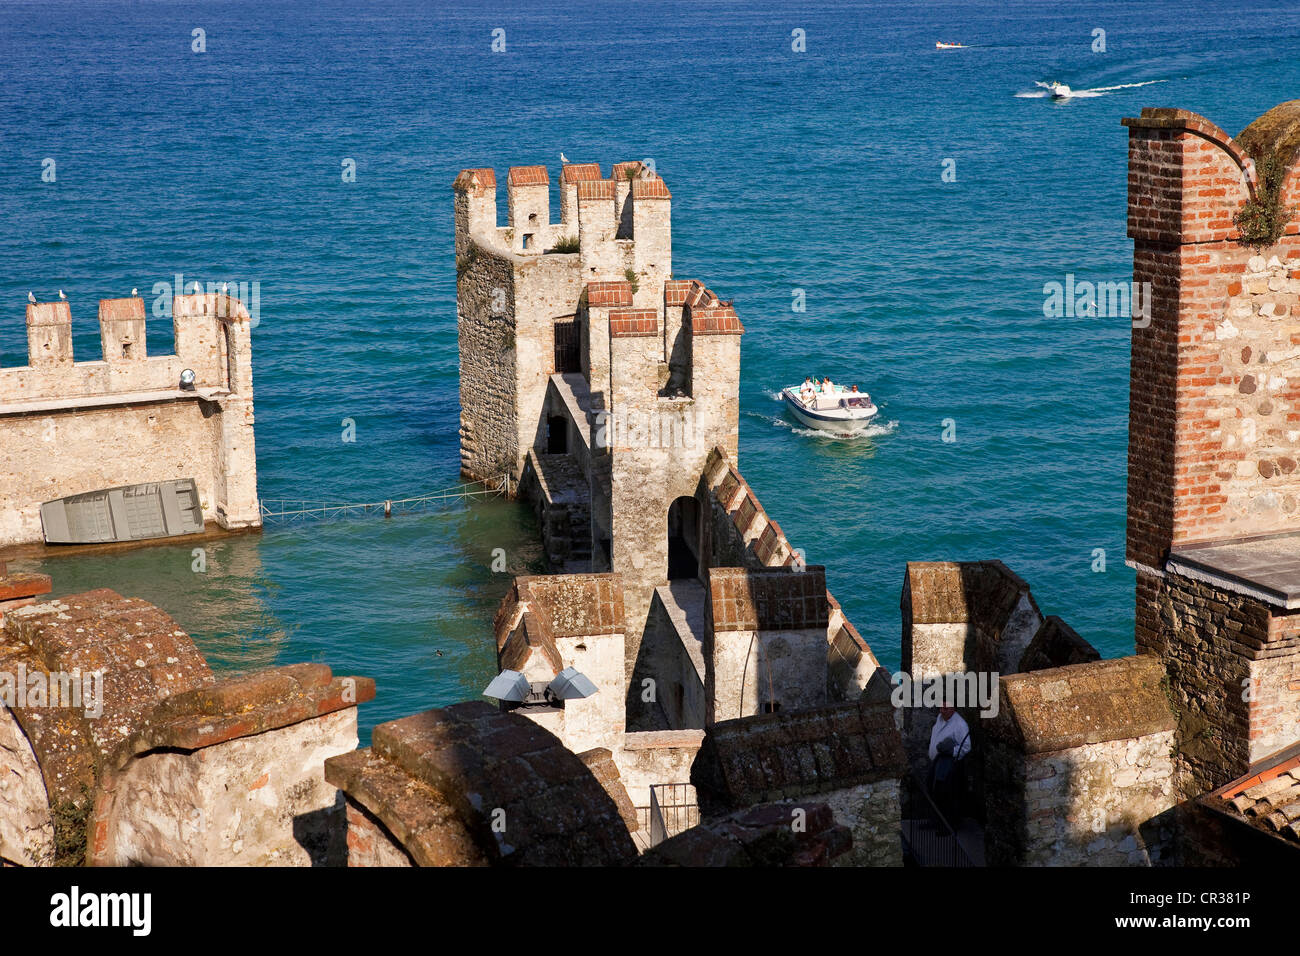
{"x":134,"y":293}
{"x":61,"y":295}
{"x":563,"y":158}
{"x":31,"y":298}
{"x":225,"y":286}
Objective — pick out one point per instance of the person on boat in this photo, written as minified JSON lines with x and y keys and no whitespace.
{"x":806,"y":391}
{"x":854,"y":390}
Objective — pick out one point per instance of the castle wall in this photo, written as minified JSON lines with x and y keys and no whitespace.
{"x":1232,"y":664}
{"x":1213,"y":447}
{"x":647,"y":758}
{"x":489,"y":419}
{"x":765,"y":641}
{"x":253,"y":801}
{"x":1079,"y":768}
{"x":1093,"y":805}
{"x":69,"y":427}
{"x":26,"y":824}
{"x":871,"y":812}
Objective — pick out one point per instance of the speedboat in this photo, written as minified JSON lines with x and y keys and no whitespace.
{"x":839,"y":410}
{"x":948,"y":46}
{"x":1059,"y":91}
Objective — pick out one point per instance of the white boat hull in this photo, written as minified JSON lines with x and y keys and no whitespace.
{"x":831,"y":418}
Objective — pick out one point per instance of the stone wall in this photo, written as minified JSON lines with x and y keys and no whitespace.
{"x":959,"y":618}
{"x":764,"y":640}
{"x":156,"y":760}
{"x":68,"y":427}
{"x":1234,"y":674}
{"x":470,"y":785}
{"x":1080,"y":767}
{"x":848,"y":755}
{"x":652,"y":757}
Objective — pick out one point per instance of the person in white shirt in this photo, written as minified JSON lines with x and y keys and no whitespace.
{"x":950,"y":726}
{"x":949,"y":745}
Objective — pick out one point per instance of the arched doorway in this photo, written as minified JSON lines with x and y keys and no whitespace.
{"x":683,"y":539}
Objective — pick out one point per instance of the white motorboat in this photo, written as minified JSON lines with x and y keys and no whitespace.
{"x":948,"y":46}
{"x":839,"y":410}
{"x":1059,"y":91}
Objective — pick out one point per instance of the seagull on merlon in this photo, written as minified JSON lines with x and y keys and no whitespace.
{"x":564,"y":159}
{"x":61,"y":295}
{"x":31,"y":298}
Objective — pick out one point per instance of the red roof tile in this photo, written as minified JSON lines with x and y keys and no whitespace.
{"x":650,"y":189}
{"x":595,"y":189}
{"x":577,"y":172}
{"x":477,"y":180}
{"x":529,"y":176}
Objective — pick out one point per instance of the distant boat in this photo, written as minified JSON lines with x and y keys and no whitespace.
{"x":155,"y":509}
{"x":1059,"y":91}
{"x":949,"y":46}
{"x":839,"y":411}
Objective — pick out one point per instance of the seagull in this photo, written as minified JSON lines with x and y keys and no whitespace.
{"x":563,"y":158}
{"x":61,"y":295}
{"x":30,"y":297}
{"x":224,"y":287}
{"x":133,"y":292}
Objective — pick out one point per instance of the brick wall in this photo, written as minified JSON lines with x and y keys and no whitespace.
{"x":1213,"y":402}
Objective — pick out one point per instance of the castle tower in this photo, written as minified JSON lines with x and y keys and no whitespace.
{"x":587,"y":372}
{"x":1214,"y":486}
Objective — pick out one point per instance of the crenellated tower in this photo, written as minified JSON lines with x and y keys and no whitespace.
{"x":588,"y":374}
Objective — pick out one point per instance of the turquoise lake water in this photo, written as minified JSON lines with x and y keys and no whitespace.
{"x":819,"y":171}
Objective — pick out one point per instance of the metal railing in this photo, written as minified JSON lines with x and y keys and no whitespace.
{"x":672,"y":810}
{"x":292,"y":510}
{"x":928,"y":838}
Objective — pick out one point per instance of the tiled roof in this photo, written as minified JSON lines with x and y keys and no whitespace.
{"x":676,"y":290}
{"x":578,"y":172}
{"x":650,"y":189}
{"x":1268,"y":798}
{"x":475,"y":180}
{"x":715,"y":320}
{"x":529,"y":176}
{"x":596,"y":189}
{"x":768,"y":599}
{"x":1055,"y":645}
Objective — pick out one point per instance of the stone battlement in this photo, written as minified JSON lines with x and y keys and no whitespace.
{"x":68,"y":427}
{"x":609,"y":224}
{"x":211,"y":339}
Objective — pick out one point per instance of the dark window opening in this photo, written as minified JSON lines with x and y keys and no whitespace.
{"x":682,"y":525}
{"x":528,"y":240}
{"x":126,"y":350}
{"x":771,"y":706}
{"x":557,"y":435}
